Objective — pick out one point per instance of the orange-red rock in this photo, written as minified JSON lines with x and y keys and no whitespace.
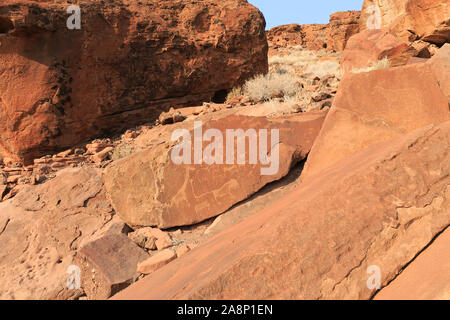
{"x":314,"y":36}
{"x":149,"y":189}
{"x":108,"y":265}
{"x":129,"y":61}
{"x":156,"y":261}
{"x":369,"y":46}
{"x":440,"y":64}
{"x":379,"y":207}
{"x":285,"y":35}
{"x":342,"y":26}
{"x":428,"y":20}
{"x":426,"y":278}
{"x":377,"y":106}
{"x":332,"y":36}
{"x":309,"y":36}
{"x":41,"y":229}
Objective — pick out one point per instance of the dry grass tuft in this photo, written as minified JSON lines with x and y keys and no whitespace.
{"x":234,"y":93}
{"x":271,"y":85}
{"x":323,"y":68}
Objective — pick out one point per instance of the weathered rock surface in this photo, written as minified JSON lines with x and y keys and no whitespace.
{"x":285,"y":35}
{"x":41,"y":230}
{"x":428,"y":20}
{"x":156,"y":261}
{"x":379,"y":207}
{"x":149,"y":189}
{"x":377,"y":106}
{"x":440,"y":64}
{"x":129,"y":61}
{"x":369,"y":46}
{"x":342,"y":26}
{"x":108,"y":265}
{"x":426,"y":278}
{"x":332,"y":36}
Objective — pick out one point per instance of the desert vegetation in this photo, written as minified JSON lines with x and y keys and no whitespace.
{"x":297,"y":77}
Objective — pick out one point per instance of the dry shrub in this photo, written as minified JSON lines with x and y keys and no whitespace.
{"x":324,"y":68}
{"x":124,"y":149}
{"x":265,"y":87}
{"x":234,"y":93}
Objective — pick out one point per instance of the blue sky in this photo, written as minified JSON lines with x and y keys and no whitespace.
{"x":279,"y":12}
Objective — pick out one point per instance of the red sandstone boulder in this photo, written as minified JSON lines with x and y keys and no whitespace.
{"x":378,"y":106}
{"x":150,"y":189}
{"x":428,"y":20}
{"x":380,"y":207}
{"x":108,"y":265}
{"x":369,"y":46}
{"x":285,"y":35}
{"x":129,"y":61}
{"x":342,"y":26}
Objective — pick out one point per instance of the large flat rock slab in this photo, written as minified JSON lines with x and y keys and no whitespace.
{"x":380,"y":207}
{"x":426,"y":278}
{"x":150,"y":189}
{"x":378,"y":106}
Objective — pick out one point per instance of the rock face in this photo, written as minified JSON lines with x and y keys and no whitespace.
{"x":129,"y":61}
{"x":41,"y":230}
{"x":426,"y":278}
{"x":108,"y":265}
{"x":440,"y":64}
{"x":309,"y":36}
{"x":369,"y":46}
{"x":394,"y":198}
{"x":428,"y":20}
{"x":377,"y":106}
{"x":315,"y":36}
{"x":342,"y":26}
{"x":285,"y":35}
{"x":332,"y":36}
{"x":149,"y":189}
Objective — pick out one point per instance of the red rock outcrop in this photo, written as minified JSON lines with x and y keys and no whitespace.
{"x":369,"y":46}
{"x":41,"y":230}
{"x":428,"y":20}
{"x":129,"y":61}
{"x":285,"y":35}
{"x":379,"y":207}
{"x":314,"y":36}
{"x":149,"y":189}
{"x":332,"y":36}
{"x":377,"y":106}
{"x":342,"y":26}
{"x":309,"y":36}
